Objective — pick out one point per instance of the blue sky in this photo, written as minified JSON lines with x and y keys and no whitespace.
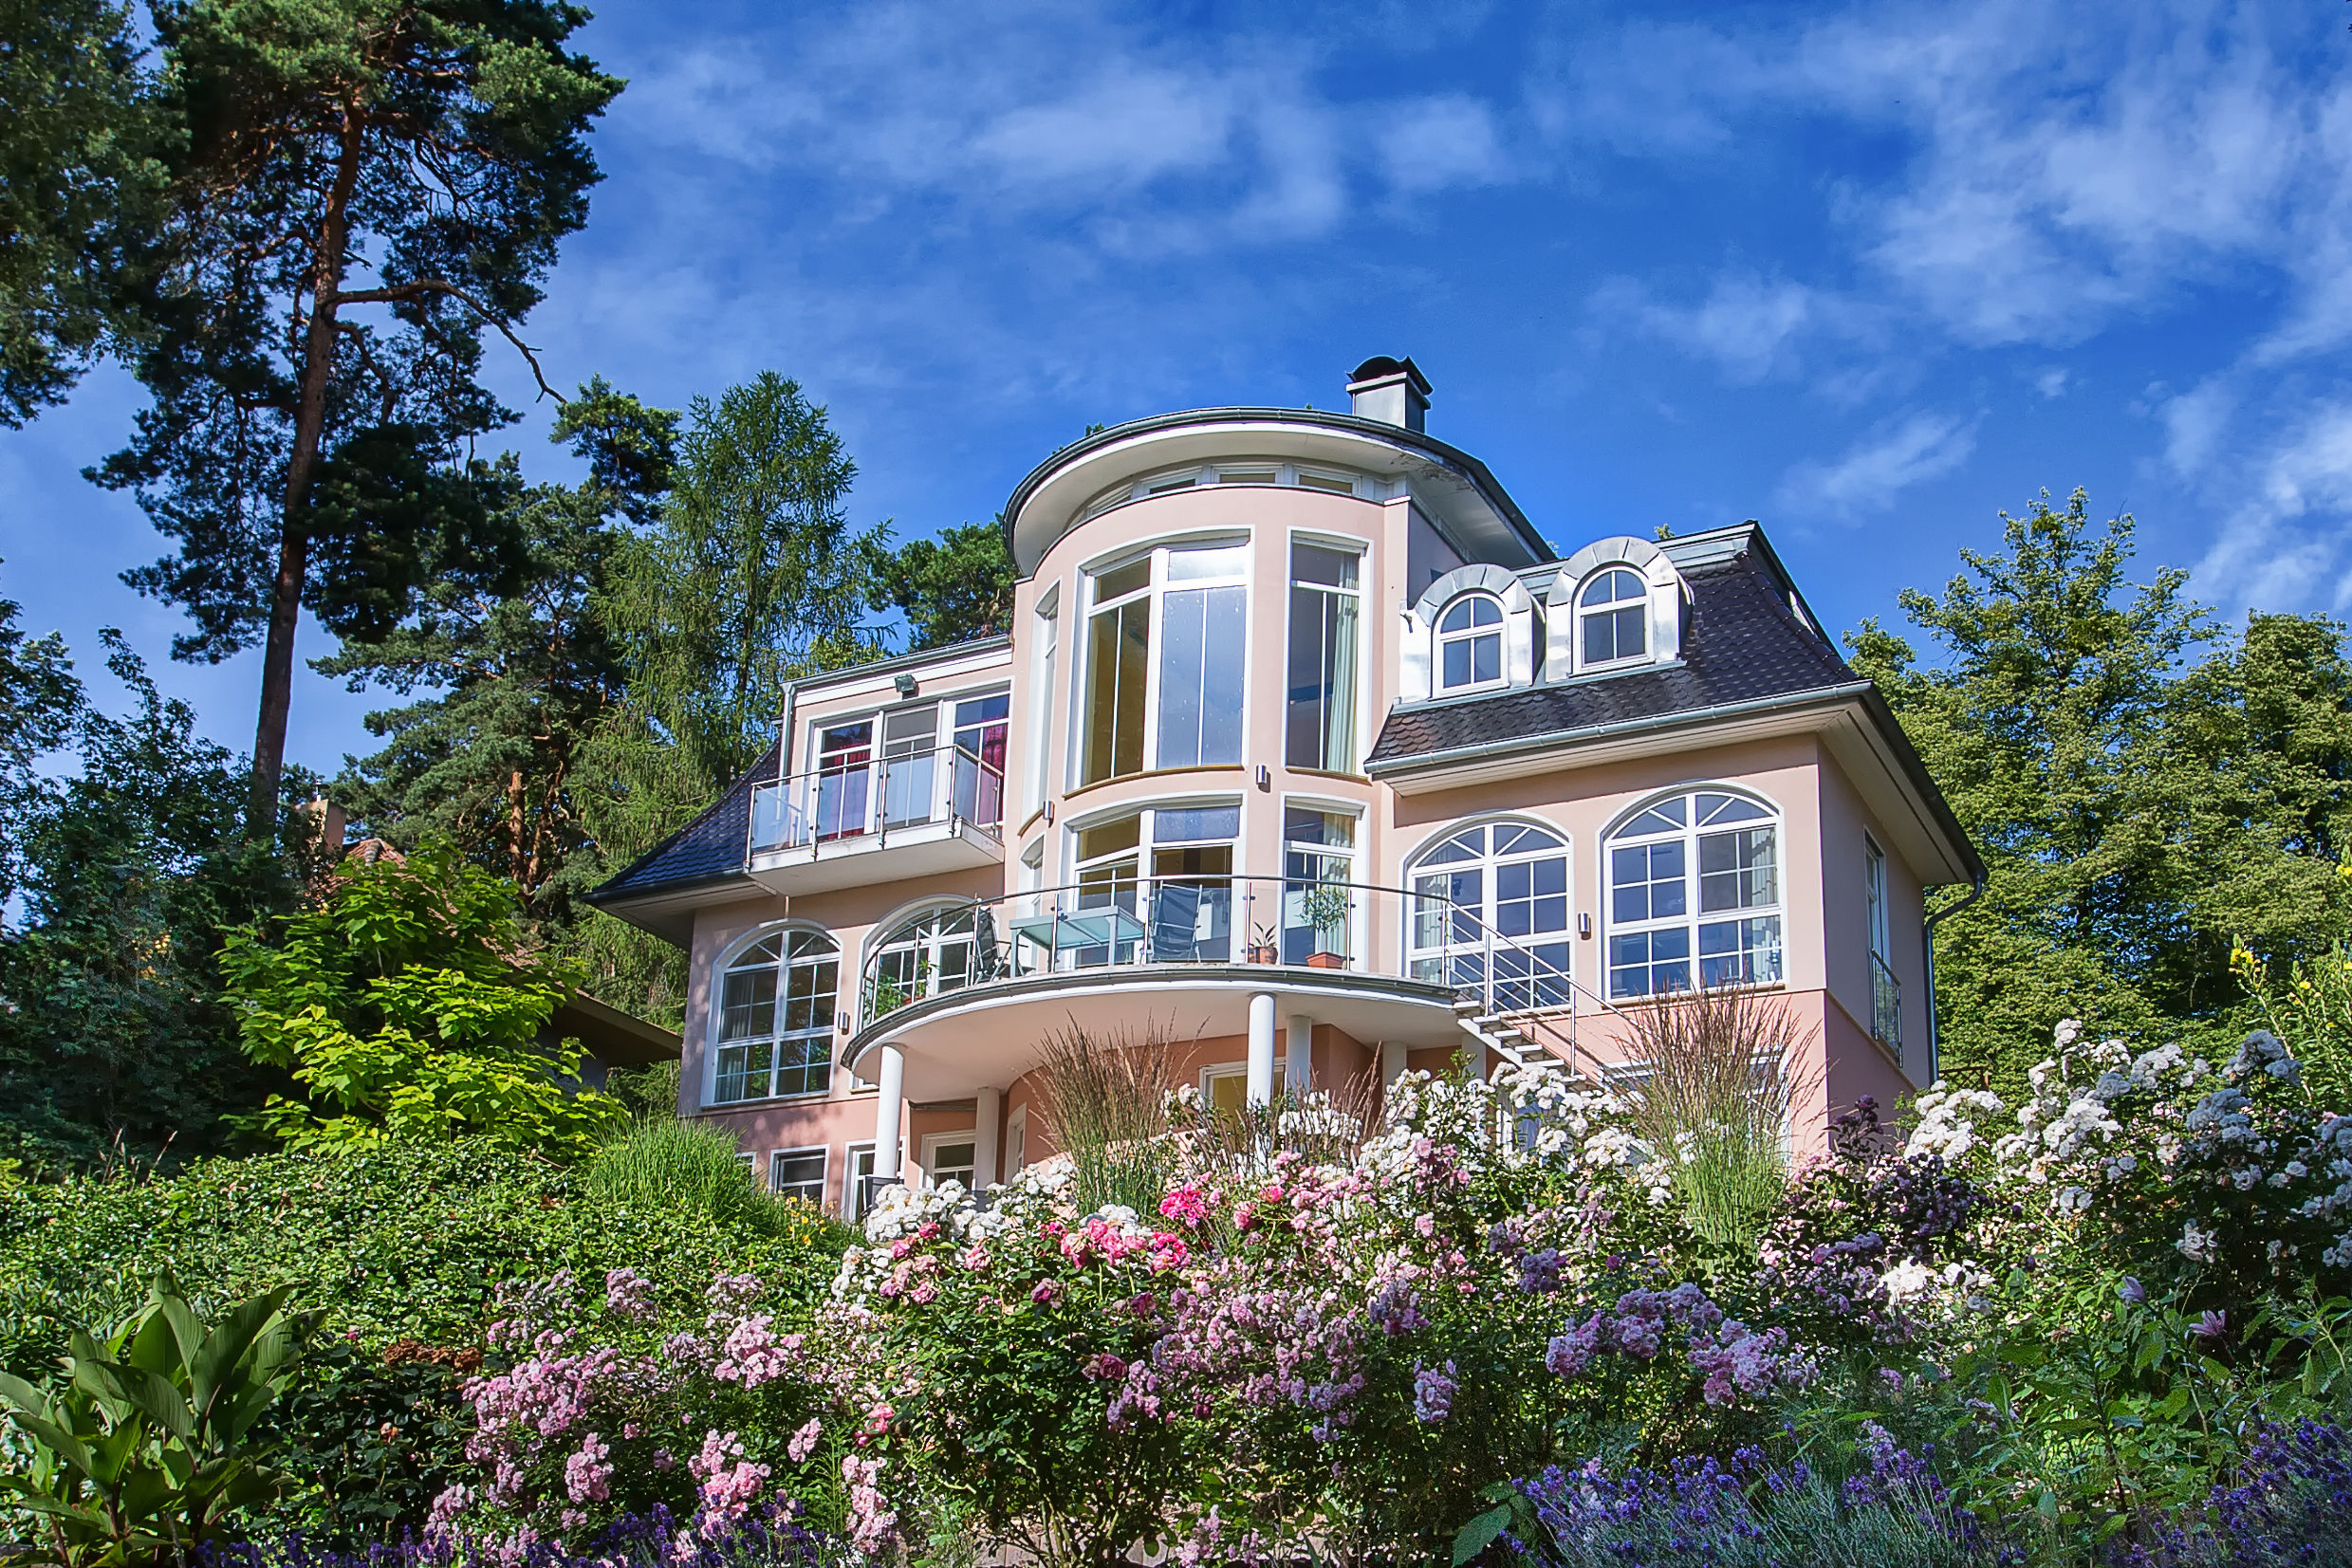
{"x":1869,"y":274}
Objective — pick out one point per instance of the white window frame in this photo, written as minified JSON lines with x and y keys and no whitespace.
{"x":1046,"y":618}
{"x":1694,"y":916}
{"x":879,"y":940}
{"x":1217,"y":1072}
{"x":1577,"y":613}
{"x":1441,"y":639}
{"x":1016,"y":1141}
{"x":850,"y":1213}
{"x":1489,"y":864}
{"x":1354,"y":856}
{"x":932,"y":1142}
{"x":1875,"y":912}
{"x":1155,"y":594}
{"x":1358,"y":718}
{"x":716,"y":1018}
{"x":825,"y":1170}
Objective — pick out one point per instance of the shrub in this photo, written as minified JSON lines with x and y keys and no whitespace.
{"x":1107,"y":1101}
{"x":688,"y":1168}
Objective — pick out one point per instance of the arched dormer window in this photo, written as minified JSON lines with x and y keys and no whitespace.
{"x":775,"y":1027}
{"x":1616,"y":605}
{"x":1695,"y":895}
{"x":1613,"y":619}
{"x":1469,"y":644}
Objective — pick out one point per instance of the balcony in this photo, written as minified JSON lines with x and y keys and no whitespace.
{"x":968,"y":989}
{"x":1886,"y":1008}
{"x":922,"y":813}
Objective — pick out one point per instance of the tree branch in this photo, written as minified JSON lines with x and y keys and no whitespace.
{"x":419,"y":287}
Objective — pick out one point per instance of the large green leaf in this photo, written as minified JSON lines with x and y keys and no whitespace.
{"x":215,"y":1364}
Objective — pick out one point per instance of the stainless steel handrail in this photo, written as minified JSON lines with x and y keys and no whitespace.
{"x":882,"y":794}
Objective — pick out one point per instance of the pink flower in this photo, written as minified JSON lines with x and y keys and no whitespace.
{"x":1188,"y":1204}
{"x":804,"y":1440}
{"x":1168,"y":1252}
{"x":923,"y":1294}
{"x":871,"y":1519}
{"x":1047,"y":1293}
{"x":588,"y":1474}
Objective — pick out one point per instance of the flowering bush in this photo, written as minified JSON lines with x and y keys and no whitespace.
{"x":598,"y":1405}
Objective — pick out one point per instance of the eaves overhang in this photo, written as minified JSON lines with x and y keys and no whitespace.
{"x":1853,"y":718}
{"x":1458,"y":491}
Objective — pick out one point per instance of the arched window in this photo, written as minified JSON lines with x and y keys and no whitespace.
{"x":775,"y":1033}
{"x":1695,"y":895}
{"x":932,"y":953}
{"x":1613,"y":616}
{"x":1470,"y":643}
{"x":1491,"y":915}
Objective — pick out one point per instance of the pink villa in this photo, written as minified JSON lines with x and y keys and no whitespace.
{"x":1308,"y":752}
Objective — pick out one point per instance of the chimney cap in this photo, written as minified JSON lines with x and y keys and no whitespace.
{"x":1380,"y":367}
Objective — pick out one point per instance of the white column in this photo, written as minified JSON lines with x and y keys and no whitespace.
{"x":1261,"y":1084}
{"x":988,"y":1112}
{"x":1298,"y":1056}
{"x":889,"y":1110}
{"x":1392,"y":1061}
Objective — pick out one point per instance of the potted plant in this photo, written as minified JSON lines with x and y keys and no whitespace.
{"x":1263,"y":949}
{"x":1325,"y":907}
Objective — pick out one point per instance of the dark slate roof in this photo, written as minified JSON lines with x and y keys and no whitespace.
{"x":708,"y":849}
{"x":1742,"y":643}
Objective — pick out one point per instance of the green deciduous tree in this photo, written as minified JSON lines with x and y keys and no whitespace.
{"x":407,"y":1004}
{"x":2136,"y":810}
{"x":950,"y":589}
{"x":367,"y":187}
{"x":80,"y":166}
{"x":749,"y":576}
{"x":130,"y":868}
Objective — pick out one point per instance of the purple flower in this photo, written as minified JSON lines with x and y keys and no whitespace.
{"x":1433,"y":1392}
{"x":2213,"y":1325}
{"x":2134,"y":1292}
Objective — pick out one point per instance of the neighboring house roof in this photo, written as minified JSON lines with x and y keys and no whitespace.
{"x":1742,"y":641}
{"x":615,"y":1038}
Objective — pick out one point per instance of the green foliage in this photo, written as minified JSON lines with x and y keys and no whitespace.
{"x":690,"y":1167}
{"x":79,"y":171}
{"x":509,"y":686}
{"x":406,"y":1006}
{"x":364,"y":188}
{"x":141,"y":1454}
{"x":2136,"y":812}
{"x":2308,"y":1006}
{"x":952,"y":589}
{"x":747,"y":578}
{"x":112,"y":1030}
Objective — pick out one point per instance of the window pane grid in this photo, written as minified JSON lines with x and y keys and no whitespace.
{"x":766,"y":1050}
{"x":1661,"y":939}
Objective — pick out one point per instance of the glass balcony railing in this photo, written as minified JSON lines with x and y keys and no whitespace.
{"x":1886,"y":1006}
{"x":1139,"y":922}
{"x":870,"y":798}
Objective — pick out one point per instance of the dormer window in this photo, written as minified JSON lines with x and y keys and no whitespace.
{"x":1613,"y":616}
{"x":1469,"y":644}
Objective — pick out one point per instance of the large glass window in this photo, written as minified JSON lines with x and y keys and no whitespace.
{"x":1470,"y":643}
{"x":776,"y":1004}
{"x":1191,"y":883}
{"x":844,"y":777}
{"x":1196,"y":594}
{"x":934,"y":951}
{"x":1491,"y":915}
{"x":1694,"y":897}
{"x":910,"y":759}
{"x":1614,"y":611}
{"x":1318,"y":896}
{"x":980,"y":732}
{"x":1320,"y":726}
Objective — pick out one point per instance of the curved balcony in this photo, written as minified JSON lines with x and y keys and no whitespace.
{"x":968,"y":990}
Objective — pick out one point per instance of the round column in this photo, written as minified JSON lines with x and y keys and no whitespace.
{"x":1260,"y":1085}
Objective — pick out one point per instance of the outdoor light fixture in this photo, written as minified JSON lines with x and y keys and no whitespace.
{"x":1583,"y":927}
{"x":1266,"y":778}
{"x":905,"y":685}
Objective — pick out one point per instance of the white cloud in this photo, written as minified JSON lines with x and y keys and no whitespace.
{"x":1441,"y":142}
{"x":2052,"y":382}
{"x":1746,"y":323}
{"x":2287,"y":546}
{"x":1895,"y":455}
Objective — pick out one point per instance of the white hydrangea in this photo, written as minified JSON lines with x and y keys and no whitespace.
{"x":1946,"y":1123}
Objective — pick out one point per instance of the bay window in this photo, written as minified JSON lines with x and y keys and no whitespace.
{"x":1319,"y":724}
{"x":1192,"y":599}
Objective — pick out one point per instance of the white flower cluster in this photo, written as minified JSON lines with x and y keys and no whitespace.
{"x":1946,"y":1124}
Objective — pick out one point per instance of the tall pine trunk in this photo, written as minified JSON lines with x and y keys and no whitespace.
{"x":277,"y":659}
